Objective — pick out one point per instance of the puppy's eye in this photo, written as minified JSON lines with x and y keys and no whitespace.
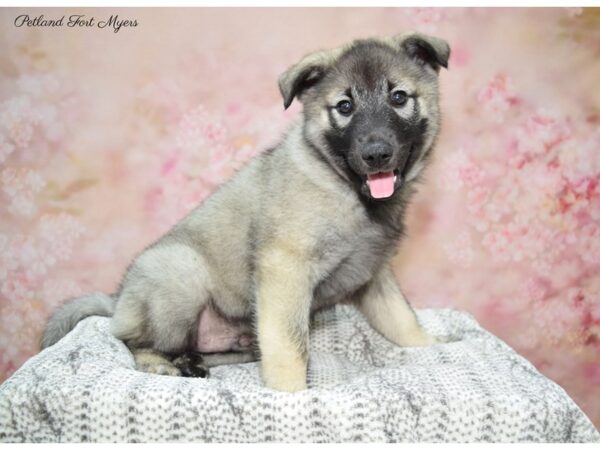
{"x":399,"y":98}
{"x":344,"y":107}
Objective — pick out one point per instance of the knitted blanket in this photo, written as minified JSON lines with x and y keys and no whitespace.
{"x":473,"y":387}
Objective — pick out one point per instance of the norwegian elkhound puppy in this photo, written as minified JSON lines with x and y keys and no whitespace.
{"x":308,"y":224}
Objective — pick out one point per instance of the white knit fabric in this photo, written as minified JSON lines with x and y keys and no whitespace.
{"x":362,"y":388}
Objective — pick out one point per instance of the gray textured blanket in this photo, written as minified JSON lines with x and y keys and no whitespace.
{"x":362,"y":388}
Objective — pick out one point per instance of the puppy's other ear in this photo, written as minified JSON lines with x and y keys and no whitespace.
{"x":305,"y":74}
{"x":426,"y":50}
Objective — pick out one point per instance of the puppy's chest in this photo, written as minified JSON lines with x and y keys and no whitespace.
{"x":346,"y":258}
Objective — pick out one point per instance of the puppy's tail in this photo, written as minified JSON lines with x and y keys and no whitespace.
{"x":68,"y":315}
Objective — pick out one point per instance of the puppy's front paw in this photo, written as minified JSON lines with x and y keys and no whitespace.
{"x":285,"y":376}
{"x":287,"y":385}
{"x":420,"y":339}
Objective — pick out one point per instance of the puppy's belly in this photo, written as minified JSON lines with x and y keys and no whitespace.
{"x":217,"y":335}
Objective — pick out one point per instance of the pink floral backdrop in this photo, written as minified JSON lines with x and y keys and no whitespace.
{"x":107,"y":139}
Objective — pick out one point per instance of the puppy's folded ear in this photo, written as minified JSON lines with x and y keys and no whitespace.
{"x":305,"y":74}
{"x":425,"y":50}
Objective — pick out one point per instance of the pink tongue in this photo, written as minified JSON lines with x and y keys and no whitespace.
{"x":381,"y":185}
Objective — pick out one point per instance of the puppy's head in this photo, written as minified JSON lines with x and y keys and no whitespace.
{"x":371,"y":108}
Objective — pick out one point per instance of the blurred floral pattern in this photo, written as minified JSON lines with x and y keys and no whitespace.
{"x":107,"y":139}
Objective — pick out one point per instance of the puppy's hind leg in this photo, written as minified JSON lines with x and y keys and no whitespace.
{"x":158,"y":307}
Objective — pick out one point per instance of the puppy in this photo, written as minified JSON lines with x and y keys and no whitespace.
{"x":310,"y":223}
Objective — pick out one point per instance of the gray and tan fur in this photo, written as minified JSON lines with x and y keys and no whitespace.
{"x":296,"y":230}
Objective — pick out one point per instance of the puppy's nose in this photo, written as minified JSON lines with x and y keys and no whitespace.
{"x":376,"y":153}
